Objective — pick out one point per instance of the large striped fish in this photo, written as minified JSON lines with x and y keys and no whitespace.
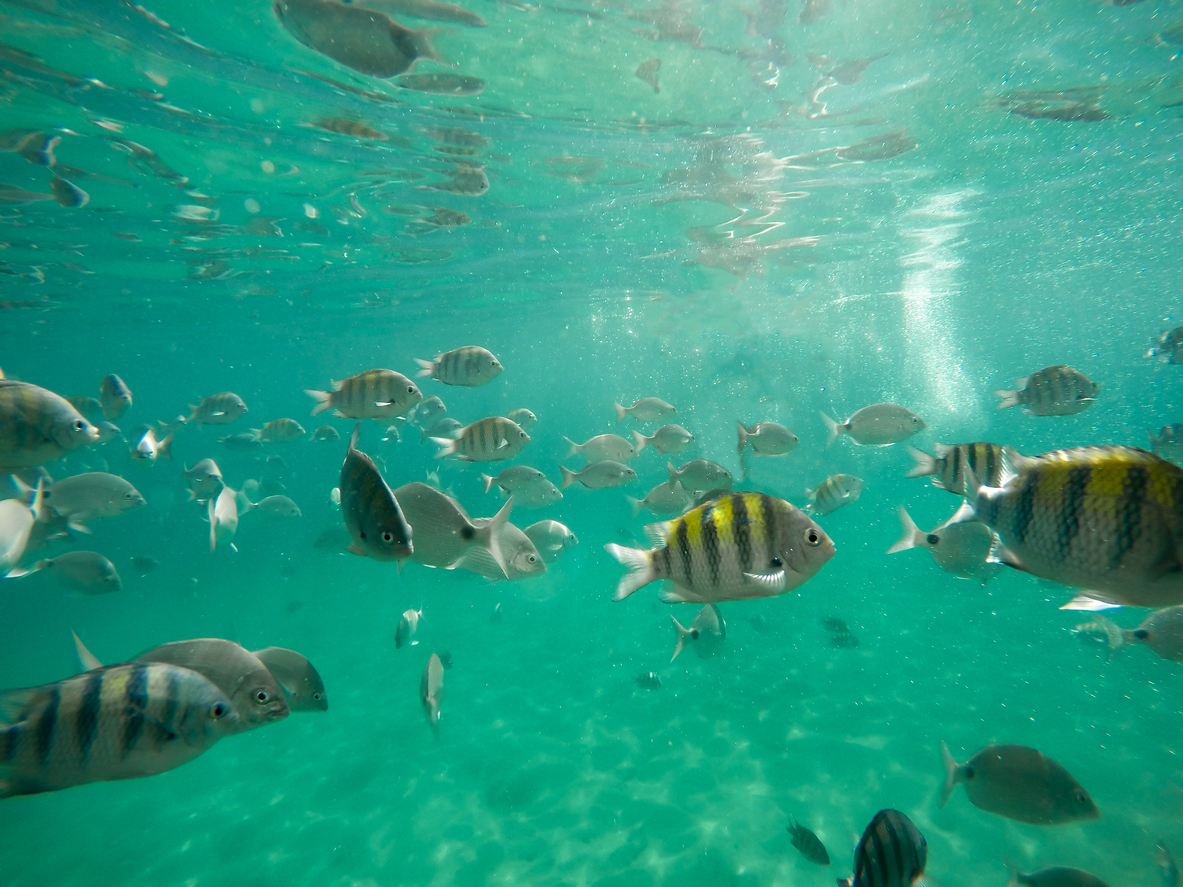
{"x":1053,"y":391}
{"x":371,"y":513}
{"x":1106,"y":519}
{"x":739,"y":546}
{"x":891,"y":853}
{"x":470,"y":365}
{"x":118,"y":722}
{"x":374,"y":394}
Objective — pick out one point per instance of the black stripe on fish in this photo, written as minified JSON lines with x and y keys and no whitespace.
{"x":1129,"y":513}
{"x":43,"y":730}
{"x":710,"y":543}
{"x":954,"y":476}
{"x":664,"y":561}
{"x":135,"y":695}
{"x":1068,"y":520}
{"x":767,"y":519}
{"x":741,"y":527}
{"x":684,"y":550}
{"x":172,"y":692}
{"x":1024,"y":510}
{"x":88,"y":713}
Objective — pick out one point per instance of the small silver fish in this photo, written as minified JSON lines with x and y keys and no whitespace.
{"x":529,"y":486}
{"x":700,"y":475}
{"x":205,"y":480}
{"x":602,"y":448}
{"x":444,"y":533}
{"x":960,"y":545}
{"x":667,"y":440}
{"x":599,"y":475}
{"x":524,"y":417}
{"x":115,"y":397}
{"x":300,"y":681}
{"x":766,"y":439}
{"x":706,"y":633}
{"x":429,"y":411}
{"x":520,"y":557}
{"x":647,"y":409}
{"x":551,"y":538}
{"x":223,"y":518}
{"x":147,"y":448}
{"x":879,"y":425}
{"x":430,"y":689}
{"x":83,"y":498}
{"x":664,"y":500}
{"x":277,"y":506}
{"x":82,"y":572}
{"x":408,"y":624}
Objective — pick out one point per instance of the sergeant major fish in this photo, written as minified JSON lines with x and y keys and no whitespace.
{"x":490,"y":440}
{"x":834,"y":492}
{"x":373,"y":394}
{"x":879,"y":425}
{"x":1053,"y":391}
{"x":891,"y":853}
{"x":218,"y":409}
{"x":740,"y":546}
{"x":948,"y":466}
{"x":326,"y":433}
{"x":371,"y":513}
{"x":808,"y":844}
{"x":279,"y":431}
{"x":468,"y":366}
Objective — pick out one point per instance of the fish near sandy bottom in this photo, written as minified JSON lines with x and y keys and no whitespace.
{"x":430,"y":689}
{"x":891,"y":853}
{"x":1055,"y":876}
{"x":1019,"y":783}
{"x":371,"y":513}
{"x":807,"y":843}
{"x":119,"y":722}
{"x":1106,"y":519}
{"x":706,"y":633}
{"x":297,"y":677}
{"x":736,"y":547}
{"x":38,"y":426}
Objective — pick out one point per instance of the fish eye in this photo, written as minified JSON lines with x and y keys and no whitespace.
{"x":388,"y":536}
{"x":262,"y":696}
{"x":79,"y":424}
{"x":813,"y":538}
{"x":218,"y":710}
{"x":318,"y":696}
{"x":776,"y":563}
{"x":531,"y":559}
{"x":410,"y":389}
{"x":1081,"y":798}
{"x":932,"y":538}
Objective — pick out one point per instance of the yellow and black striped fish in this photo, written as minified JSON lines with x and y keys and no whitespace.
{"x":469,"y":366}
{"x":490,"y":440}
{"x":739,"y":546}
{"x":948,"y":466}
{"x":1106,"y":519}
{"x":118,"y":722}
{"x":372,"y":515}
{"x":374,"y":394}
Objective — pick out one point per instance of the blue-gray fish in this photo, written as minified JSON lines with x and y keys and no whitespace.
{"x":326,"y":433}
{"x":1055,"y":876}
{"x":373,"y":394}
{"x":83,"y":498}
{"x":119,"y":722}
{"x":700,"y":475}
{"x":218,"y":409}
{"x":371,"y":513}
{"x":1053,"y":391}
{"x":602,"y":448}
{"x":444,"y":533}
{"x":1166,"y":865}
{"x":879,"y":425}
{"x":706,"y":633}
{"x":809,"y":844}
{"x":766,"y":439}
{"x":598,"y":475}
{"x":115,"y":396}
{"x":82,"y":572}
{"x":469,"y":366}
{"x":947,"y":467}
{"x":891,"y":853}
{"x":38,"y":426}
{"x":298,"y":678}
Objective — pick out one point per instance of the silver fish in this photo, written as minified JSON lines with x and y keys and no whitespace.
{"x":551,"y":538}
{"x":599,"y":475}
{"x":529,"y":486}
{"x":218,"y":409}
{"x":602,"y":448}
{"x":38,"y":426}
{"x":766,"y":439}
{"x":468,"y":366}
{"x":17,"y":521}
{"x":879,"y":425}
{"x":706,"y":632}
{"x":1055,"y":876}
{"x":408,"y":624}
{"x":115,"y":396}
{"x":82,"y":572}
{"x":146,"y":448}
{"x":960,"y":545}
{"x":276,"y":506}
{"x":521,"y":558}
{"x":667,"y":498}
{"x":429,"y":411}
{"x":700,"y":475}
{"x":430,"y":689}
{"x":524,"y":417}
{"x":647,"y":409}
{"x":82,"y":498}
{"x":667,"y":440}
{"x":444,"y":533}
{"x":205,"y":480}
{"x":300,"y":681}
{"x":223,"y":518}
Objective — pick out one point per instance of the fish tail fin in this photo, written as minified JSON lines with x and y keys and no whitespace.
{"x":845,"y":882}
{"x":1012,"y":871}
{"x":621,"y":412}
{"x":912,"y":534}
{"x":952,"y":774}
{"x":164,"y":447}
{"x":324,"y":400}
{"x":743,"y":435}
{"x":673,"y":471}
{"x":925,"y":464}
{"x":1008,"y":399}
{"x":487,"y":480}
{"x":37,"y":506}
{"x":637,"y":504}
{"x":423,"y":45}
{"x":213,"y":527}
{"x":256,"y":433}
{"x":426,"y":367}
{"x":640,"y":569}
{"x":490,"y":535}
{"x":833,"y":428}
{"x":87,"y":661}
{"x":572,"y":447}
{"x":973,"y":488}
{"x":568,"y":477}
{"x":640,"y":440}
{"x":683,"y":633}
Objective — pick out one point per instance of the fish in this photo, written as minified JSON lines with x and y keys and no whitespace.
{"x":700,"y":475}
{"x":17,"y":521}
{"x":737,"y":547}
{"x":947,"y":467}
{"x":432,"y":9}
{"x":147,"y":449}
{"x":1106,"y":520}
{"x":1019,"y":783}
{"x":602,"y":448}
{"x":520,"y":557}
{"x":115,"y":397}
{"x":833,"y":492}
{"x":529,"y":486}
{"x":243,"y":442}
{"x":650,"y":680}
{"x":1055,"y":876}
{"x":446,"y":660}
{"x":38,"y":426}
{"x":766,"y":439}
{"x":840,"y":635}
{"x":241,"y":675}
{"x":443,"y":84}
{"x":362,"y":39}
{"x":647,"y":409}
{"x":1168,"y":443}
{"x":667,"y":498}
{"x":371,"y":513}
{"x":444,"y":532}
{"x":1168,"y":346}
{"x":879,"y":425}
{"x":107,"y":431}
{"x":119,"y":722}
{"x":373,"y":394}
{"x":494,"y":439}
{"x":647,"y":73}
{"x":218,"y":409}
{"x":891,"y":853}
{"x":1166,"y":864}
{"x":348,"y":127}
{"x":326,"y":433}
{"x":205,"y":480}
{"x":807,"y":843}
{"x":551,"y":538}
{"x":960,"y":545}
{"x":87,"y":497}
{"x":66,"y":193}
{"x":429,"y":411}
{"x":430,"y":689}
{"x":706,"y":632}
{"x":1053,"y":391}
{"x":277,"y":506}
{"x":144,"y":564}
{"x":12,"y":195}
{"x":408,"y":624}
{"x":468,"y":366}
{"x":82,"y":572}
{"x":497,"y":613}
{"x":524,"y":417}
{"x":302,"y":687}
{"x":1161,"y":631}
{"x":667,"y":440}
{"x":279,"y":431}
{"x":598,"y":475}
{"x":446,"y":428}
{"x":223,"y":518}
{"x":88,"y":407}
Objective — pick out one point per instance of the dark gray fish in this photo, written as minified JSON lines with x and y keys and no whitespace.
{"x":300,"y":681}
{"x":325,"y":433}
{"x":647,"y":73}
{"x":144,"y":564}
{"x":808,"y":843}
{"x":38,"y":426}
{"x":891,"y":853}
{"x":244,"y":441}
{"x":361,"y":39}
{"x":1056,"y":876}
{"x":115,"y":397}
{"x":446,"y":660}
{"x":442,"y":84}
{"x":1166,"y":863}
{"x":82,"y":572}
{"x":1019,"y":783}
{"x":431,"y":9}
{"x":649,"y":681}
{"x":67,"y":193}
{"x":1053,"y":391}
{"x":371,"y":513}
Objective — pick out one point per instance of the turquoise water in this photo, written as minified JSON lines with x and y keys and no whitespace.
{"x":630,"y":243}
